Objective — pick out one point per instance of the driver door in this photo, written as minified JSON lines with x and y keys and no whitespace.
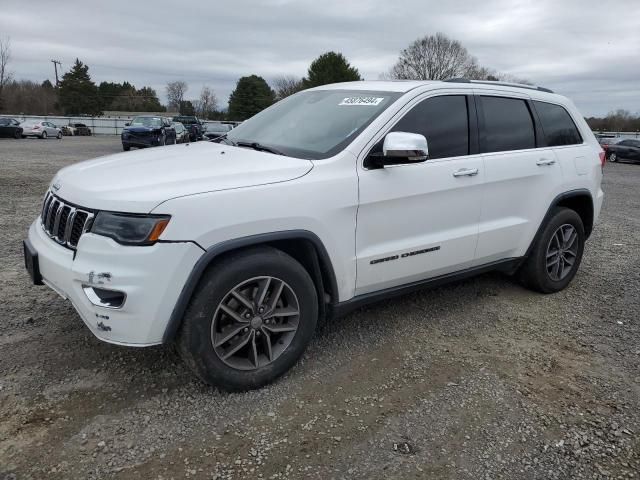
{"x":420,"y":220}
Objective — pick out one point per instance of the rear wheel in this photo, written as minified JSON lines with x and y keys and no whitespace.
{"x":250,"y":319}
{"x":44,"y":135}
{"x":59,"y":136}
{"x":557,"y":253}
{"x":126,"y":148}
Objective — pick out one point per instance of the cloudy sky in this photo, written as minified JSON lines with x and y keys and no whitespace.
{"x":588,"y":50}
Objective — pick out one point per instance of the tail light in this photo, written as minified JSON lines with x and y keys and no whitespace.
{"x":603,"y":157}
{"x":36,"y":127}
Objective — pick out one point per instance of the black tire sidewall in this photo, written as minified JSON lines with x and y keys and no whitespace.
{"x":194,"y":341}
{"x":538,"y":275}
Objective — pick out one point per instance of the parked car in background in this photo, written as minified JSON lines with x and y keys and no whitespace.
{"x":147,"y":131}
{"x":215,"y":130}
{"x":182,"y":134}
{"x":192,"y":124}
{"x":40,"y":129}
{"x":67,"y":130}
{"x":10,"y":127}
{"x":627,"y":149}
{"x":80,"y":129}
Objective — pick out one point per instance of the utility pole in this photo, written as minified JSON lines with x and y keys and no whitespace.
{"x":55,"y":66}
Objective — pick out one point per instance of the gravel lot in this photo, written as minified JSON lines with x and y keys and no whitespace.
{"x":480,"y":379}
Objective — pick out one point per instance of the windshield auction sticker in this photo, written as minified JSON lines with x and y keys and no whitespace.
{"x":361,"y":101}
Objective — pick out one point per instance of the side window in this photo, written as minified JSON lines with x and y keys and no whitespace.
{"x":507,"y":124}
{"x":443,"y":121}
{"x":557,"y":124}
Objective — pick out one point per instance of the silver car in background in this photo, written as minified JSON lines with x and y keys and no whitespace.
{"x":40,"y":129}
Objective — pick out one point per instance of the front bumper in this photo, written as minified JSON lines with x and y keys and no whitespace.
{"x":151,"y":277}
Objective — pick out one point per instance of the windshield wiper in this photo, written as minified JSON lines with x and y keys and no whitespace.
{"x":223,"y":137}
{"x":259,"y":147}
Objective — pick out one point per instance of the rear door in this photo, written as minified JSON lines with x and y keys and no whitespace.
{"x":521,"y":175}
{"x":420,"y":220}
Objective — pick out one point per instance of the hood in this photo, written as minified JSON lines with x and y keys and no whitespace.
{"x":138,"y":181}
{"x":141,"y":129}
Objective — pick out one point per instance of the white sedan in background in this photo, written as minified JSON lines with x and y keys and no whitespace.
{"x":40,"y":129}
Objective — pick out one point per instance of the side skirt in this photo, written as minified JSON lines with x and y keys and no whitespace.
{"x":341,"y":309}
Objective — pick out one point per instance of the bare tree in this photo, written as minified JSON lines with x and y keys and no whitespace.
{"x":438,"y":57}
{"x":5,"y":57}
{"x":433,"y":57}
{"x":286,"y":85}
{"x":175,"y":93}
{"x":207,"y":104}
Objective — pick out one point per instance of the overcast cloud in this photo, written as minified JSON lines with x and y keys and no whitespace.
{"x":588,"y":50}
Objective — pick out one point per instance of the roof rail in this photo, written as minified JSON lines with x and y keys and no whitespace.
{"x":504,"y":84}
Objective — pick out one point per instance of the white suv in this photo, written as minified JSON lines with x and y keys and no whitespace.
{"x":332,"y":198}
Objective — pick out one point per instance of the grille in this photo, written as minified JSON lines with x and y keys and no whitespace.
{"x":64,"y":222}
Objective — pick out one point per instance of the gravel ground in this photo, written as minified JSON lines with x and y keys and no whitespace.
{"x":480,"y":379}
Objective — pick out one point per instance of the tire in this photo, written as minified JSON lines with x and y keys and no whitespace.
{"x":59,"y":136}
{"x":163,"y":142}
{"x":613,"y":157}
{"x":126,"y":148}
{"x":549,"y":274}
{"x":205,"y":321}
{"x":43,"y":136}
{"x":24,"y":136}
{"x":17,"y":135}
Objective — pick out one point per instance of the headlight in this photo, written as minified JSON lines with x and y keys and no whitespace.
{"x":130,"y":229}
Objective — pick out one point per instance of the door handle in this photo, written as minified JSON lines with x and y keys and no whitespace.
{"x":465,"y":172}
{"x":545,"y":161}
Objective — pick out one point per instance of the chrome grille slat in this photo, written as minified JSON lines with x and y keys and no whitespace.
{"x":56,"y":220}
{"x":70,"y":219}
{"x":64,"y":222}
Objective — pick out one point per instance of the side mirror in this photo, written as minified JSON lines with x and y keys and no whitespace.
{"x":398,"y":148}
{"x":127,"y":124}
{"x":410,"y":147}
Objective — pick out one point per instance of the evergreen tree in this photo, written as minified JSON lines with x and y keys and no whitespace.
{"x":252,"y":95}
{"x":78,"y":94}
{"x":330,"y":67}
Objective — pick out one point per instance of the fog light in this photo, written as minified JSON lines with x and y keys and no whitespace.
{"x":102,"y":297}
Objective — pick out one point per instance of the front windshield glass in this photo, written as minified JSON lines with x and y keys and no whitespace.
{"x":146,"y":122}
{"x":314,"y":124}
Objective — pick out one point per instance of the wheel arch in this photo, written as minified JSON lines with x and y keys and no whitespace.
{"x":303,"y":245}
{"x":579,"y":200}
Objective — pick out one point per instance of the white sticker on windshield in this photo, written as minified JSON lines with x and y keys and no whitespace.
{"x":361,"y":101}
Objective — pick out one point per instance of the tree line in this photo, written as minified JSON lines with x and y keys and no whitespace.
{"x":432,"y":57}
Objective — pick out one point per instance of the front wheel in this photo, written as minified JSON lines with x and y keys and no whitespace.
{"x":59,"y":136}
{"x":250,"y":319}
{"x":126,"y":148}
{"x":557,"y":253}
{"x":613,"y":157}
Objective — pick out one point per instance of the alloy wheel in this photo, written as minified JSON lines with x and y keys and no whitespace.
{"x":562,"y":252}
{"x":255,"y":323}
{"x":613,"y":157}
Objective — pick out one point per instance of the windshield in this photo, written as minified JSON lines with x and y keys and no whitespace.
{"x":314,"y":124}
{"x":146,"y":122}
{"x":185,"y":120}
{"x":217,"y":127}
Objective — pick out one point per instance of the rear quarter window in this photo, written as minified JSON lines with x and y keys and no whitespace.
{"x":558,"y":126}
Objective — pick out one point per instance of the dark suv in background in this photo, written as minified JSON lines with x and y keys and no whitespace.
{"x":193,"y":126}
{"x":147,"y":131}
